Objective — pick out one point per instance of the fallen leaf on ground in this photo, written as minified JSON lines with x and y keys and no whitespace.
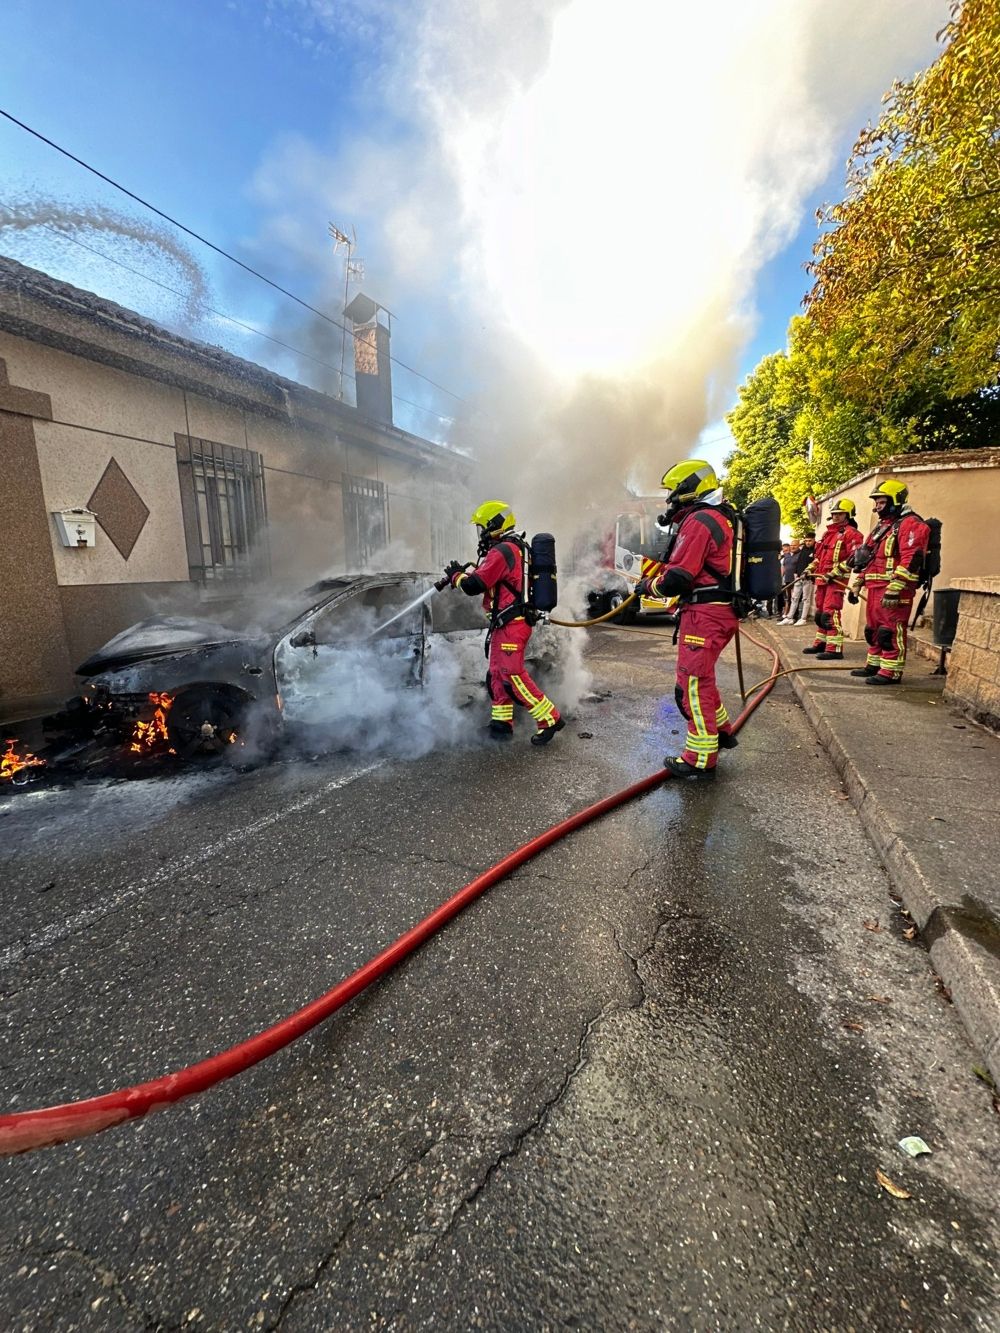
{"x":879,"y":999}
{"x":910,"y":933}
{"x":942,"y":989}
{"x":891,"y":1187}
{"x":872,"y":925}
{"x":904,"y":1304}
{"x":984,"y":1074}
{"x":852,"y":1027}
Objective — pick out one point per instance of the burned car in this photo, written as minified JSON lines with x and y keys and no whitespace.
{"x":340,"y":659}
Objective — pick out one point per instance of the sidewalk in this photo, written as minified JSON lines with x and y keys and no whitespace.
{"x":926,"y":785}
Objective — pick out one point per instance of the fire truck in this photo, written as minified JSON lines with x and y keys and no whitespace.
{"x":611,"y":562}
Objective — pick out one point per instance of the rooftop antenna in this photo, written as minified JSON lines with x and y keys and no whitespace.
{"x":354,"y":268}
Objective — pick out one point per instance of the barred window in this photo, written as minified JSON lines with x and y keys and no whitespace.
{"x":366,"y":519}
{"x":225,"y":510}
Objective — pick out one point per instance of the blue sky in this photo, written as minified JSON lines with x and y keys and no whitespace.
{"x":255,"y":121}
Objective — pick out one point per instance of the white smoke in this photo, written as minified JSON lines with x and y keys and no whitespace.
{"x":368,"y":693}
{"x":583,"y":201}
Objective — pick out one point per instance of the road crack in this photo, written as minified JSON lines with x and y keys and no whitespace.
{"x":365,"y":1203}
{"x":110,"y":1282}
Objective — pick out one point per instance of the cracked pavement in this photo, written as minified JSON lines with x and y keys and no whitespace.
{"x":642,"y":1084}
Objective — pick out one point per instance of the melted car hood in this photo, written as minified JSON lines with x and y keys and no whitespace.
{"x":157,"y":637}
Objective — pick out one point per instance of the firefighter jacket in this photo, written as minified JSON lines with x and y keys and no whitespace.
{"x":699,"y":567}
{"x":499,"y":576}
{"x":833,"y":550}
{"x":899,"y":547}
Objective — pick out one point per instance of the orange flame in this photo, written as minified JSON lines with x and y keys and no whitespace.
{"x":147,"y":735}
{"x":11,"y":762}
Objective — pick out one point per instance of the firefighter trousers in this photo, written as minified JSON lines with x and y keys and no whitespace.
{"x":704,"y":632}
{"x":829,"y":626}
{"x":510,"y":684}
{"x":885,"y":631}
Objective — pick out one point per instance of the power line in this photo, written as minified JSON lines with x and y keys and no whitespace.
{"x":231,"y":319}
{"x":212,"y":246}
{"x":250,"y":328}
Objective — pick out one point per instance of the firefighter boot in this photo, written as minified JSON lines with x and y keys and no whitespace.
{"x":831,"y":655}
{"x":501,"y":731}
{"x":865,"y":671}
{"x":879,"y":679}
{"x":727,"y":741}
{"x":815,"y":648}
{"x":680,"y":768}
{"x":547,"y":733}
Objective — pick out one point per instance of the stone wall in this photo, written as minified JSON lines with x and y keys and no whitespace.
{"x":974,"y":668}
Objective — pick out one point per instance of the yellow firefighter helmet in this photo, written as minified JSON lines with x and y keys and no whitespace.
{"x":892,"y":490}
{"x":494,"y":517}
{"x":689,"y":480}
{"x":843,"y":506}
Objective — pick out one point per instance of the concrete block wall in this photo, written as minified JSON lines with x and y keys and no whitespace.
{"x":974,"y":668}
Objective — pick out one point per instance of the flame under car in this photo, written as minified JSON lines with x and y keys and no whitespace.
{"x":314,"y":660}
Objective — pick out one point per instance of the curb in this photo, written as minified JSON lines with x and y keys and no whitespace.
{"x":968,"y":972}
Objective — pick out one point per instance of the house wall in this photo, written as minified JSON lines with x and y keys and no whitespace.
{"x":71,"y":418}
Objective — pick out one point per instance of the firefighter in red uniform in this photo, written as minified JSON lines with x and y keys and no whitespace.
{"x":890,"y":560}
{"x":499,"y":578}
{"x":698,"y":570}
{"x":831,"y":572}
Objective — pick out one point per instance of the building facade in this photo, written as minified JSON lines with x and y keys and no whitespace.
{"x":143,"y":473}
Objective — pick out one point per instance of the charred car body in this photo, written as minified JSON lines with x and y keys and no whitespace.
{"x":320,"y":658}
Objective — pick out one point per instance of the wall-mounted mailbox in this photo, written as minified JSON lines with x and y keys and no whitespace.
{"x":76,"y":527}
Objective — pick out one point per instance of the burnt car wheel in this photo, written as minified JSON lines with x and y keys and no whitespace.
{"x":206,"y":722}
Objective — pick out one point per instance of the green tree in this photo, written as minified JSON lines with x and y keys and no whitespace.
{"x":910,"y":260}
{"x":796,"y":430}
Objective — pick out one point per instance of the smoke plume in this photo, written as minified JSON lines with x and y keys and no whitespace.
{"x":573,"y":220}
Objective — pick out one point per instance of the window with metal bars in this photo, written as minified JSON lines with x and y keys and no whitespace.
{"x":225,"y":510}
{"x":366,"y":519}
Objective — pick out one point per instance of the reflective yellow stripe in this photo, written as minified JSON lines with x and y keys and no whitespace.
{"x":721,"y":716}
{"x":702,"y":733}
{"x":509,"y":647}
{"x":693,"y":638}
{"x":543,"y":710}
{"x":524,"y":694}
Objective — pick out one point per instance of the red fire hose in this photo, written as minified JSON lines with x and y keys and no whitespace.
{"x":25,"y":1130}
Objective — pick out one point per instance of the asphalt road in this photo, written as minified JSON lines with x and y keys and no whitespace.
{"x":646,"y":1083}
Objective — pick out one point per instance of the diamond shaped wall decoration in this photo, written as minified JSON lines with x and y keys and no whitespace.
{"x":120,"y":509}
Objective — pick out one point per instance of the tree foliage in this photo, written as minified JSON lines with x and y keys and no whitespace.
{"x":910,"y":260}
{"x":900,"y":347}
{"x":796,"y":432}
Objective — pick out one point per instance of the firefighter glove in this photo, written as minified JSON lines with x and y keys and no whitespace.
{"x":452,"y":569}
{"x":644,"y":588}
{"x":852,"y":596}
{"x":891,"y":596}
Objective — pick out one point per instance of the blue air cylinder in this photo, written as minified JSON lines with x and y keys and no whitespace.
{"x":761,"y":572}
{"x":543,"y":591}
